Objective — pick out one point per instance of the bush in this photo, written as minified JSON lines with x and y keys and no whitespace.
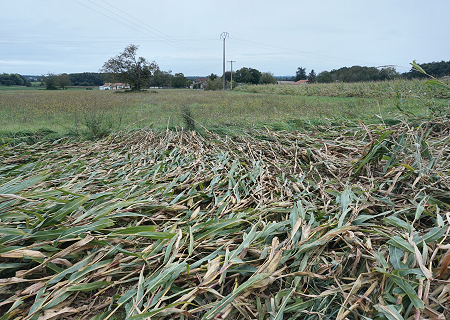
{"x":217,"y":84}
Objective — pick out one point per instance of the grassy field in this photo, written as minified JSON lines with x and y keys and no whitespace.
{"x":379,"y":89}
{"x":78,"y":111}
{"x":341,"y":219}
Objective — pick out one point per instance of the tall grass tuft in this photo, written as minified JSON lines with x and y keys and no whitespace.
{"x":188,"y":117}
{"x":98,"y":124}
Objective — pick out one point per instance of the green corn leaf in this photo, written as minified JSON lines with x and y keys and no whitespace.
{"x":433,"y":235}
{"x":406,"y":287}
{"x":417,"y":67}
{"x":437,"y":83}
{"x":134,"y":230}
{"x":11,"y":231}
{"x":89,"y":286}
{"x":395,"y":256}
{"x":400,"y":243}
{"x":389,"y":311}
{"x":228,"y":299}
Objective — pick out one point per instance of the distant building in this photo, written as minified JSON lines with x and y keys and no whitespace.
{"x":301,"y":82}
{"x":114,"y":86}
{"x":200,"y":82}
{"x":285,"y":82}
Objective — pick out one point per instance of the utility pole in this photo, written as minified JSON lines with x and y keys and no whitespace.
{"x":231,"y":73}
{"x":223,"y":36}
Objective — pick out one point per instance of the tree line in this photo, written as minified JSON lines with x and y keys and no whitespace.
{"x":13,"y":79}
{"x":138,"y":72}
{"x":244,"y":75}
{"x":359,"y":74}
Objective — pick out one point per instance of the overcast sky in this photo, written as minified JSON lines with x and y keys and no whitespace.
{"x":41,"y":36}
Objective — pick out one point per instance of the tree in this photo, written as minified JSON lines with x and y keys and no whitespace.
{"x":86,"y":79}
{"x":179,"y":81}
{"x":63,"y":80}
{"x":128,"y":68}
{"x":312,"y":76}
{"x":248,"y":75}
{"x":161,"y":79}
{"x":300,"y":74}
{"x":267,"y":78}
{"x":213,"y":76}
{"x":324,"y":77}
{"x":228,"y":76}
{"x":388,"y":73}
{"x":12,"y":79}
{"x":50,"y":81}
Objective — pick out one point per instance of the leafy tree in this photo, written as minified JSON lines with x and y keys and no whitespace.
{"x":267,"y":78}
{"x":54,"y":81}
{"x":161,"y":79}
{"x":50,"y":81}
{"x":388,"y":73}
{"x":228,"y":76}
{"x":248,"y":75}
{"x":128,"y":68}
{"x":312,"y":76}
{"x":243,"y":75}
{"x":435,"y":69}
{"x":12,"y":79}
{"x":356,"y":74}
{"x":86,"y":79}
{"x":63,"y":80}
{"x":324,"y":77}
{"x":212,"y":76}
{"x":179,"y":80}
{"x":300,"y":74}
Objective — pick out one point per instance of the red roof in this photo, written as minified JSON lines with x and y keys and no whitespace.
{"x":301,"y":82}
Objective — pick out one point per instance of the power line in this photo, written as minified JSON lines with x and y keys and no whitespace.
{"x":290,"y":51}
{"x":172,"y":42}
{"x":164,"y":35}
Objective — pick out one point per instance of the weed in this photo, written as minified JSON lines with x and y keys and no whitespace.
{"x":188,"y":117}
{"x":98,"y":125}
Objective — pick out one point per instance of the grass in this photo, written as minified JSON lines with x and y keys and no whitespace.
{"x":345,"y":220}
{"x":380,"y":89}
{"x":69,"y":111}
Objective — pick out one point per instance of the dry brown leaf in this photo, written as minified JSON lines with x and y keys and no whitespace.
{"x":444,"y":264}
{"x":33,"y":288}
{"x":20,"y":253}
{"x":62,"y":261}
{"x":55,"y":312}
{"x":69,"y":249}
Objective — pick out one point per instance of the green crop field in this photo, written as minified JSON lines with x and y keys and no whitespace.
{"x":278,"y":205}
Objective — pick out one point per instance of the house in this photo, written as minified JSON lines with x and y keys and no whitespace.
{"x":114,"y":86}
{"x":301,"y":82}
{"x":200,"y":82}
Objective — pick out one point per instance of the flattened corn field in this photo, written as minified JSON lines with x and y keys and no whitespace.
{"x":340,"y":222}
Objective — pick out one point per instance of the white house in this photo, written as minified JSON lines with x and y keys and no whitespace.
{"x":114,"y":86}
